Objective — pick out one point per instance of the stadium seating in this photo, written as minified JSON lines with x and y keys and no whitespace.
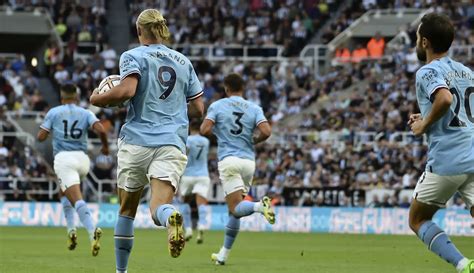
{"x":322,"y":117}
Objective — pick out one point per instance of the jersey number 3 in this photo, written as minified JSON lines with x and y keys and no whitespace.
{"x":75,"y":133}
{"x":168,"y":84}
{"x":238,"y":116}
{"x":456,"y":121}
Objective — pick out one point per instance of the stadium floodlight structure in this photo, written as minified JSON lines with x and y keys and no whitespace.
{"x":27,"y":32}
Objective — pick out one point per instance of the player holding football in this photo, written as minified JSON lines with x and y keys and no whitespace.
{"x":195,"y":180}
{"x":443,"y":87}
{"x":152,"y":147}
{"x":234,"y":120}
{"x":69,"y":124}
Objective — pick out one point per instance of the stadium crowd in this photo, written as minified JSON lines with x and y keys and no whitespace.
{"x":289,"y":23}
{"x":380,"y":105}
{"x":18,"y":165}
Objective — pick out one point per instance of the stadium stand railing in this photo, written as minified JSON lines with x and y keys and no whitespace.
{"x":360,"y":138}
{"x":314,"y":55}
{"x":12,"y":186}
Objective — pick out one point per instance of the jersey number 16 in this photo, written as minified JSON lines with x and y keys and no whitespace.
{"x":75,"y":133}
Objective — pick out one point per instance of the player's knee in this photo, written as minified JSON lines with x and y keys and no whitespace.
{"x":414,"y":225}
{"x":127,"y":211}
{"x":231,"y":209}
{"x":414,"y":221}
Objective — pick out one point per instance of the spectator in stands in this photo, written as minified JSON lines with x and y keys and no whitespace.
{"x":411,"y":62}
{"x":61,"y":28}
{"x":51,"y":57}
{"x":103,"y":166}
{"x":375,"y":202}
{"x":61,"y":75}
{"x":110,"y":58}
{"x":405,"y":203}
{"x":3,"y":150}
{"x":376,"y":46}
{"x":38,"y":102}
{"x":359,"y":54}
{"x":343,"y":54}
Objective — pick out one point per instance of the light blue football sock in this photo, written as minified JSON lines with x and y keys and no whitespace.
{"x":123,"y":237}
{"x":244,"y":208}
{"x":186,"y":211}
{"x":162,"y":213}
{"x":202,"y":211}
{"x":439,"y":243}
{"x":68,"y":211}
{"x":231,"y":231}
{"x":85,"y":217}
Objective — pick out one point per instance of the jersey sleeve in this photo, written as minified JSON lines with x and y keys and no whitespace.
{"x":212,"y":113}
{"x":128,"y":66}
{"x":48,"y":121}
{"x":429,"y":80}
{"x":91,"y":118}
{"x":260,"y":117}
{"x":194,"y":87}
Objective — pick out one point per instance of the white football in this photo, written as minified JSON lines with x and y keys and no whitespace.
{"x":107,"y":83}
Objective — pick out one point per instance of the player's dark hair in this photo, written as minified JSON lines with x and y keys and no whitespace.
{"x":234,"y":82}
{"x":69,"y":88}
{"x":68,"y":91}
{"x":439,"y":30}
{"x":194,"y":124}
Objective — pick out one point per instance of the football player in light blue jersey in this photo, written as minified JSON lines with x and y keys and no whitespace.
{"x":152,"y":148}
{"x":69,"y":124}
{"x":443,"y":89}
{"x":238,"y":125}
{"x":195,"y":181}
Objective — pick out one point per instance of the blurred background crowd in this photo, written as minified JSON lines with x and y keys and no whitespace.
{"x":353,"y":96}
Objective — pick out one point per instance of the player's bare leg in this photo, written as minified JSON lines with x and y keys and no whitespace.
{"x":437,"y":241}
{"x":164,"y":214}
{"x":74,"y":195}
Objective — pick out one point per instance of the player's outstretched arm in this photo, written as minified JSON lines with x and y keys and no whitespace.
{"x":263,"y":132}
{"x":206,"y":127}
{"x":118,"y":94}
{"x":196,"y":108}
{"x":100,"y":131}
{"x":441,"y":103}
{"x":42,"y":135}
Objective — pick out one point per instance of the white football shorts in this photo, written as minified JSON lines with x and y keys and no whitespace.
{"x":236,"y":174}
{"x":71,"y":167}
{"x":195,"y":185}
{"x":136,"y":165}
{"x":436,"y":190}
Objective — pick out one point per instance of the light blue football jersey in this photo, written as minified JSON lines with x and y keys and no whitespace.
{"x":235,"y":120}
{"x":157,"y":114}
{"x":451,"y":138}
{"x":198,"y":150}
{"x":69,"y":124}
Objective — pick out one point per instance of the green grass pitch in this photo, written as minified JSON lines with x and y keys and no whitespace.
{"x":40,"y":250}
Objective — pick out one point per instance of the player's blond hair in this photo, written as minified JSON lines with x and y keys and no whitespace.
{"x":153,"y":24}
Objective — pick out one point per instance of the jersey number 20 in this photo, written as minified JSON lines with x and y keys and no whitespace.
{"x":456,"y":122}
